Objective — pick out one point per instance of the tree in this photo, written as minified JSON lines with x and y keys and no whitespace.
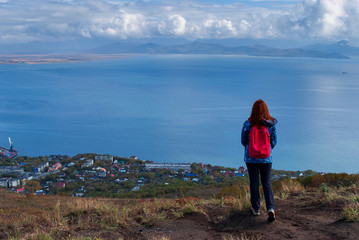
{"x":195,"y":167}
{"x":51,"y":177}
{"x":102,"y":164}
{"x":27,"y":168}
{"x":128,"y":185}
{"x":207,"y":180}
{"x":32,"y":186}
{"x":72,"y":186}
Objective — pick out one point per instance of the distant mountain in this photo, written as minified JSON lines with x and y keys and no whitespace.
{"x":250,"y":47}
{"x":275,"y":43}
{"x":341,"y":47}
{"x":198,"y":47}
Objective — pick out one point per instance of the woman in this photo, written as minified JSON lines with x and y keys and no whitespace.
{"x":259,"y":138}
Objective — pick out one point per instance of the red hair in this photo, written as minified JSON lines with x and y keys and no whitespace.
{"x":260,"y":113}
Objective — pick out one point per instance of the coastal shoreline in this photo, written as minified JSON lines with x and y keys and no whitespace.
{"x":6,"y":59}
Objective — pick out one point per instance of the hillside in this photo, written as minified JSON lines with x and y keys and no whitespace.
{"x":318,"y":207}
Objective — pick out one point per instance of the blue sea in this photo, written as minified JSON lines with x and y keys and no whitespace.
{"x":184,"y":108}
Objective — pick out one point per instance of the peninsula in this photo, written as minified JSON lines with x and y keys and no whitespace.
{"x":55,"y":58}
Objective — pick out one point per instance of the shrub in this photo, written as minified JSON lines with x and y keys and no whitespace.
{"x":351,"y":212}
{"x":317,"y":180}
{"x":306,"y":181}
{"x":237,"y":191}
{"x":287,"y":186}
{"x":331,"y":179}
{"x":324,"y":188}
{"x":341,"y":179}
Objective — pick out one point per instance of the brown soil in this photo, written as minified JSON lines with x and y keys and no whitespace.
{"x":296,"y":218}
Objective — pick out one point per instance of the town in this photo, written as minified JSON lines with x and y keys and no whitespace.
{"x":94,"y":175}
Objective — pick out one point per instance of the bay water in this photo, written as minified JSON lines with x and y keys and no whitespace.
{"x":184,"y":108}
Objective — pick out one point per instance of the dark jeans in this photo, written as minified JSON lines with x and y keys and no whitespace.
{"x":264,"y":169}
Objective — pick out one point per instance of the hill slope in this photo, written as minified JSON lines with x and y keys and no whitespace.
{"x":301,"y":215}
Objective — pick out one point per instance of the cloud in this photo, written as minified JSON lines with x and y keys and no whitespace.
{"x":220,"y":27}
{"x":121,"y":25}
{"x":331,"y":19}
{"x":51,"y":20}
{"x":173,"y":25}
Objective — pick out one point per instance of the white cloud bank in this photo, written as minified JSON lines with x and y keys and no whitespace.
{"x":51,"y":20}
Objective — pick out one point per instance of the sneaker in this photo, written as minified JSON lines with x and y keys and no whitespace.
{"x":255,"y":212}
{"x":271,"y":215}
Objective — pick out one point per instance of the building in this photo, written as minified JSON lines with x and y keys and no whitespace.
{"x":241,"y":172}
{"x":104,"y":158}
{"x":58,"y":157}
{"x":169,"y":166}
{"x":228,"y":173}
{"x":41,"y":167}
{"x":87,"y":163}
{"x":241,"y":169}
{"x":56,"y":166}
{"x":11,"y":169}
{"x":3,"y":182}
{"x":10,"y":182}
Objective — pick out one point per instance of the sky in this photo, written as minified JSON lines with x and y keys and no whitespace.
{"x":23,"y":21}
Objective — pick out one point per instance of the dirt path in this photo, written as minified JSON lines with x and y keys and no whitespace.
{"x":297,"y":218}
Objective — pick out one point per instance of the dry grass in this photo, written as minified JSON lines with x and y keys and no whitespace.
{"x":241,"y":237}
{"x":327,"y":194}
{"x":162,"y":238}
{"x":55,"y":217}
{"x":283,"y":189}
{"x":351,"y":212}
